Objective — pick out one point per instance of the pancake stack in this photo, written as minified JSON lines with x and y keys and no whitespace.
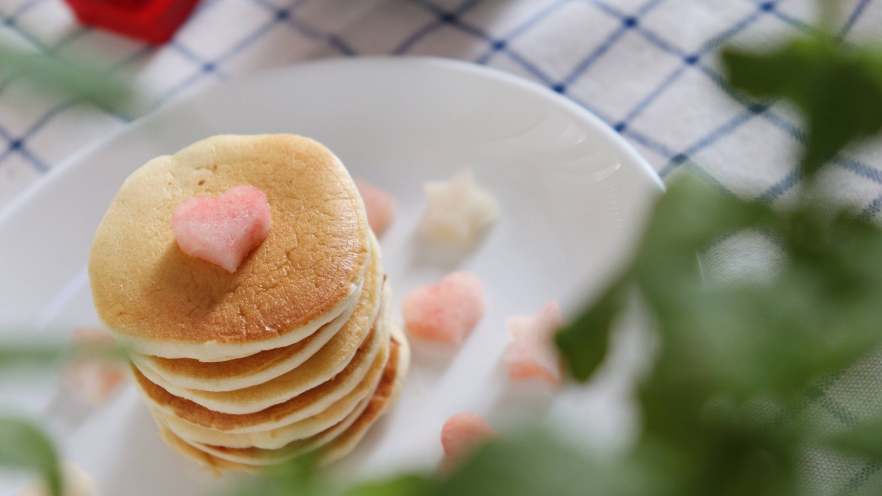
{"x":292,"y":353}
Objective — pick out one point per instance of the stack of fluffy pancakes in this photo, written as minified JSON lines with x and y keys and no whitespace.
{"x":293,"y":353}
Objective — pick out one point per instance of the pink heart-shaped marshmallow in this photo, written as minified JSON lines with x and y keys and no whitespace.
{"x":447,"y":311}
{"x":225,"y":229}
{"x":380,"y":206}
{"x":461,"y":434}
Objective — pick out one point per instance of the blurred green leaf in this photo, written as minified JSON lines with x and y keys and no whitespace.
{"x":837,"y":87}
{"x":736,"y":358}
{"x":31,"y":355}
{"x":404,"y":485}
{"x":298,"y":476}
{"x":78,"y":80}
{"x":584,"y":342}
{"x":665,"y":267}
{"x":532,"y":462}
{"x":864,"y":440}
{"x":24,"y":446}
{"x":526,"y":464}
{"x":48,"y":355}
{"x":688,"y":219}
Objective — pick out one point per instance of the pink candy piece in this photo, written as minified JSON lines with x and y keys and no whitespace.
{"x":379,"y":204}
{"x":225,"y":229}
{"x":94,"y":380}
{"x":531,"y":353}
{"x":461,"y":434}
{"x":446,"y":311}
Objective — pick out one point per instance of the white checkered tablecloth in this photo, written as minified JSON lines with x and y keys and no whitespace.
{"x":646,"y":67}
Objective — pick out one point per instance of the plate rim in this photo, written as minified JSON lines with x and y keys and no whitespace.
{"x":66,"y":166}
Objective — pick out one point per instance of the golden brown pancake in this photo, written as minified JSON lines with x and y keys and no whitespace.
{"x":280,"y":436}
{"x":298,"y":408}
{"x":339,"y":440}
{"x":262,"y":367}
{"x":321,"y":367}
{"x":385,"y":395}
{"x":310,"y":375}
{"x":216,"y":465}
{"x":302,"y":276}
{"x":240,"y":372}
{"x":258,"y":457}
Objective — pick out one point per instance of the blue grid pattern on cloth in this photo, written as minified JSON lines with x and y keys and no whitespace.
{"x":646,"y":67}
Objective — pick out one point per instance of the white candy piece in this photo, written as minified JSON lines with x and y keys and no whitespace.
{"x":458,"y":210}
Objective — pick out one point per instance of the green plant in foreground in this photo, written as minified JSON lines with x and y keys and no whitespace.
{"x":836,"y":87}
{"x":77,"y":80}
{"x":721,"y":406}
{"x":24,"y":446}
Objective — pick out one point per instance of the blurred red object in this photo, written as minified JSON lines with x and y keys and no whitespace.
{"x":153,"y":21}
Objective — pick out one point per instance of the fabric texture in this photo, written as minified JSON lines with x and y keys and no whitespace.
{"x":646,"y":67}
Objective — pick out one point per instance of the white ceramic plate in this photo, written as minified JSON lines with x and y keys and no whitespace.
{"x":573,"y":197}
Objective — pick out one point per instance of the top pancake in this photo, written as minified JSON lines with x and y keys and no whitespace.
{"x":306,"y":273}
{"x":262,"y":367}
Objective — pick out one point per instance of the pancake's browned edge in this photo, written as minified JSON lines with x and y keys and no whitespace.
{"x":215,"y":464}
{"x":377,"y":402}
{"x":330,"y":360}
{"x":197,"y":414}
{"x":146,"y":288}
{"x":232,"y":368}
{"x":327,"y":414}
{"x":254,"y":364}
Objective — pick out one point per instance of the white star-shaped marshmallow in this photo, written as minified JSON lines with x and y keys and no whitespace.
{"x":458,"y":210}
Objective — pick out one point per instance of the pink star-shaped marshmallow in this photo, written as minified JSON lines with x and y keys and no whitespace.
{"x":531,"y":353}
